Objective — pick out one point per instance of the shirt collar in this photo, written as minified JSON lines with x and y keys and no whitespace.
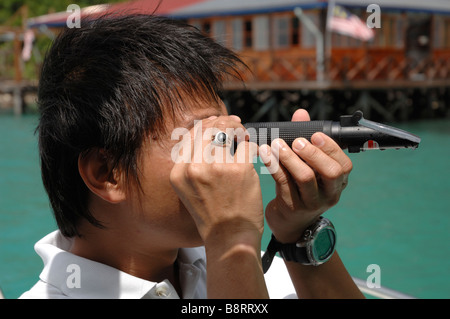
{"x":78,"y":277}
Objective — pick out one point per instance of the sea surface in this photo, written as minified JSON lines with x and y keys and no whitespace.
{"x":394,"y":212}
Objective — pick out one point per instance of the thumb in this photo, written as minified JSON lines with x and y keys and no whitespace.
{"x":301,"y":115}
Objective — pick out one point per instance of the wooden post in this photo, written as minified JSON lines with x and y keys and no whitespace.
{"x":17,"y":52}
{"x":18,"y":100}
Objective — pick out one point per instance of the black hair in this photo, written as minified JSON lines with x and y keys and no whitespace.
{"x":108,"y":84}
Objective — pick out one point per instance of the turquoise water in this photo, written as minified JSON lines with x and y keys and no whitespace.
{"x":394,"y":213}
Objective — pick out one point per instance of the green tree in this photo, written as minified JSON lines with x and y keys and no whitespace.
{"x":8,"y":8}
{"x":37,"y":8}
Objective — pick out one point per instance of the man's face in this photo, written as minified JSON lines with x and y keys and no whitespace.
{"x":159,"y":211}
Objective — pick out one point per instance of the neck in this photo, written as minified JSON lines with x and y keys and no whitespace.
{"x":150,"y":262}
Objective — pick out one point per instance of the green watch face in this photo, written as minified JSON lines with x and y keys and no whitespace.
{"x":324,"y":244}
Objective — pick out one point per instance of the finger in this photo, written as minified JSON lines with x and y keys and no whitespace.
{"x":330,"y":171}
{"x":245,"y":153}
{"x":268,"y":159}
{"x":286,"y":189}
{"x":300,"y":115}
{"x":235,"y":118}
{"x":301,"y":173}
{"x":231,"y":117}
{"x":226,"y":122}
{"x":332,"y":149}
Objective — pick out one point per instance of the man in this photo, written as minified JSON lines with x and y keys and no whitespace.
{"x":134,"y":220}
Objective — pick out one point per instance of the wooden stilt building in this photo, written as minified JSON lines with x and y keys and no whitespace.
{"x":295,"y":61}
{"x":402,"y":72}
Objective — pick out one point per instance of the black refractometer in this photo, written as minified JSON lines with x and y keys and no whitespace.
{"x":351,"y":132}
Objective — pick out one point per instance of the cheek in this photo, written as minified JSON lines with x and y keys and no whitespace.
{"x":155,"y":182}
{"x":162,"y":213}
{"x":159,"y":204}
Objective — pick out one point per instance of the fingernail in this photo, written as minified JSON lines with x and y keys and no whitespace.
{"x":317,"y":140}
{"x":299,"y":144}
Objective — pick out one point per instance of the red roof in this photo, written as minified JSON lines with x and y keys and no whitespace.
{"x":163,"y":7}
{"x":160,"y":7}
{"x":201,"y":8}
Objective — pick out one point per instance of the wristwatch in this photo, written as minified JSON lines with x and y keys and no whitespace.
{"x":315,"y":247}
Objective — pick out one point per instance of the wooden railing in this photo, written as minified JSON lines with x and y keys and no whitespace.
{"x":345,"y":70}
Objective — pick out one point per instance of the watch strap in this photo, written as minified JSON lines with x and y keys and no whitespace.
{"x":302,"y":251}
{"x":292,"y":252}
{"x":270,"y":253}
{"x":289,"y":252}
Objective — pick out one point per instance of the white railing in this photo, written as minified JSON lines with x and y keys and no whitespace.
{"x":382,"y":292}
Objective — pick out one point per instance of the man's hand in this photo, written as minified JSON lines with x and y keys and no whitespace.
{"x":223,"y":195}
{"x":309,"y":180}
{"x":220,"y":191}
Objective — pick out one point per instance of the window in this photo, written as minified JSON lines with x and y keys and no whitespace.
{"x":206,"y":27}
{"x":295,"y":35}
{"x":400,"y":32}
{"x":391,"y":34}
{"x":441,"y":32}
{"x":237,"y":34}
{"x":385,"y":32}
{"x":446,"y":41}
{"x":281,"y":32}
{"x":248,"y":37}
{"x":307,"y":37}
{"x":219,"y":32}
{"x":438,"y":28}
{"x":261,"y":34}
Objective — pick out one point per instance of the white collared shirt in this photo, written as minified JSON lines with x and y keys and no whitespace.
{"x":66,"y":275}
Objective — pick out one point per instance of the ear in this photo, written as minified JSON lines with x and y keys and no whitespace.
{"x":97,"y":174}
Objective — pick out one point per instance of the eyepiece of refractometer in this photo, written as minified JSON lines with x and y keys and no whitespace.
{"x":352,"y":132}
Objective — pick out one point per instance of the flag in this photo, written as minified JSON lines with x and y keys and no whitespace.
{"x":28,"y":39}
{"x":344,"y":22}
